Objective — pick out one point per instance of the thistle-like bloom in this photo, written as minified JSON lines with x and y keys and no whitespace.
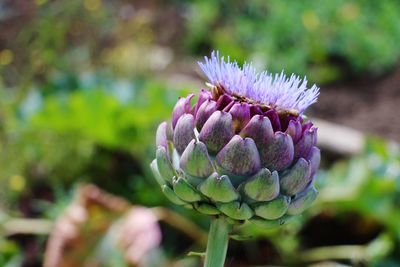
{"x":244,"y":149}
{"x":275,"y":91}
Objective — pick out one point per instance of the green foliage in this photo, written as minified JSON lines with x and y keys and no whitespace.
{"x":58,"y":38}
{"x":369,"y":184}
{"x":324,"y":41}
{"x":92,"y":133}
{"x":68,"y":38}
{"x":9,"y":253}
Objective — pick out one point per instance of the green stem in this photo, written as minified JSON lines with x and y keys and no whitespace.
{"x":217,"y":244}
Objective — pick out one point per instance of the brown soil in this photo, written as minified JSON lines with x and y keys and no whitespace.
{"x":370,"y":105}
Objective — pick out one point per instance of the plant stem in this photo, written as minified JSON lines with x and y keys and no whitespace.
{"x":217,"y":244}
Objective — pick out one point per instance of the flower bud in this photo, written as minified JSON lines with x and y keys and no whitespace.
{"x":244,"y":149}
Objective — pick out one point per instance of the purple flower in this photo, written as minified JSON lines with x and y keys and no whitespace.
{"x":243,"y":149}
{"x":277,"y":91}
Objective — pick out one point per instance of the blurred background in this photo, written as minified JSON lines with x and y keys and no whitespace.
{"x":84,"y":84}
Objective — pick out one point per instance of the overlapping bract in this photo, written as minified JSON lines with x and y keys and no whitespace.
{"x":225,"y":156}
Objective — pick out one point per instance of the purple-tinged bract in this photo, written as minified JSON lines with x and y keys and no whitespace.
{"x":243,"y":149}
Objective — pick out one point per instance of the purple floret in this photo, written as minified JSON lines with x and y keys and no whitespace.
{"x":273,"y":90}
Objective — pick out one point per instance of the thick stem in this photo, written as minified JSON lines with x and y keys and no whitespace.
{"x":217,"y":244}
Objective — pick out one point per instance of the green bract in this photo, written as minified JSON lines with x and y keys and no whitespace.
{"x":247,"y":172}
{"x":243,"y":149}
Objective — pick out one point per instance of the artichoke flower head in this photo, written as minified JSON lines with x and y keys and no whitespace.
{"x":243,"y":149}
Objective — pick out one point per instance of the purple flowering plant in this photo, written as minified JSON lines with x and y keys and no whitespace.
{"x":243,"y":152}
